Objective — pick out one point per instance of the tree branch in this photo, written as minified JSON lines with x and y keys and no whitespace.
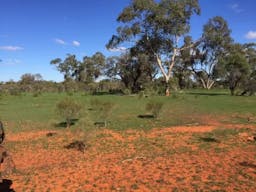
{"x":159,"y":62}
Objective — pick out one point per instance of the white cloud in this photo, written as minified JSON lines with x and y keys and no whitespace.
{"x":9,"y":62}
{"x":76,"y":43}
{"x":118,"y":49}
{"x":11,"y":48}
{"x":236,"y":8}
{"x":60,"y":41}
{"x":251,"y":35}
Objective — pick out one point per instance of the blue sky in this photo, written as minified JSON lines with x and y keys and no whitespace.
{"x":33,"y":32}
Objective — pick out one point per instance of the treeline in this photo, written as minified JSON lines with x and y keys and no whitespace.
{"x":160,"y":55}
{"x":134,"y":73}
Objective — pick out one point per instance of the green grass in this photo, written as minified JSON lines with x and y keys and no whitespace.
{"x":28,"y":112}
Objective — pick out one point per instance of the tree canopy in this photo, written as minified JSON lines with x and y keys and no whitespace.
{"x":156,"y":28}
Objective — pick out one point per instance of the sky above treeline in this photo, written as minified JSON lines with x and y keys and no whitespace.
{"x":33,"y":32}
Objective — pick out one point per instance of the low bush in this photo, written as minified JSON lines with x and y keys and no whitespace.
{"x":154,"y":107}
{"x":68,"y":109}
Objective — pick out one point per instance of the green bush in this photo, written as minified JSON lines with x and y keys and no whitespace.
{"x":37,"y":93}
{"x":68,"y":109}
{"x":154,"y":107}
{"x":106,"y":109}
{"x":103,"y":109}
{"x":15,"y":92}
{"x":127,"y":91}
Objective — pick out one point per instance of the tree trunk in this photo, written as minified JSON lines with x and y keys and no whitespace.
{"x":181,"y":81}
{"x":68,"y":122}
{"x":232,"y":91}
{"x":167,"y":89}
{"x":203,"y":83}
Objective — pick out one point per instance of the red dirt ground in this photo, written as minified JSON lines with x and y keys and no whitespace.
{"x":166,"y":159}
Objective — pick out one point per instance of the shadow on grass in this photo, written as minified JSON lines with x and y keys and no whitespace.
{"x":64,"y":124}
{"x":207,"y":94}
{"x":118,"y":92}
{"x":246,"y":164}
{"x":5,"y":186}
{"x":146,"y":116}
{"x":209,"y":139}
{"x":100,"y":123}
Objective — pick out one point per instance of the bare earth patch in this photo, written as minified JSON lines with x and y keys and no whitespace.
{"x":166,"y":159}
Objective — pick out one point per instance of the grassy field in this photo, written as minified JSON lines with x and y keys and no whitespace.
{"x":201,"y":141}
{"x":27,"y":112}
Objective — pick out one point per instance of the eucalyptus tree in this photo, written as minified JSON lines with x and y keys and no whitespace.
{"x":69,"y":67}
{"x":156,"y":28}
{"x":135,"y":72}
{"x":237,"y":68}
{"x":213,"y":46}
{"x":249,"y":86}
{"x":185,"y":61}
{"x":86,"y":71}
{"x":91,"y":67}
{"x":30,"y":82}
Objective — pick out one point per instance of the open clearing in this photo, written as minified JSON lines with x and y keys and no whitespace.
{"x":200,"y":142}
{"x":186,"y":158}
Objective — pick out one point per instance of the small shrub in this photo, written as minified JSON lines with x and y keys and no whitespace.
{"x":175,"y":96}
{"x":68,"y":109}
{"x":103,"y":109}
{"x":141,"y":95}
{"x":70,"y":93}
{"x":37,"y":93}
{"x":154,"y":107}
{"x":127,"y":92}
{"x":106,"y":109}
{"x":15,"y":92}
{"x":150,"y":91}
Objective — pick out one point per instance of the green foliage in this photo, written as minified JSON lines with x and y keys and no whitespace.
{"x":212,"y":47}
{"x":156,"y":20}
{"x":37,"y":93}
{"x":28,"y":112}
{"x":103,"y":109}
{"x":86,"y":71}
{"x":69,"y":109}
{"x":154,"y":107}
{"x":127,"y":91}
{"x":70,"y":86}
{"x":249,"y":85}
{"x":15,"y":91}
{"x":135,"y":70}
{"x":68,"y":67}
{"x":236,"y":67}
{"x":155,"y":27}
{"x":216,"y":34}
{"x":91,"y":67}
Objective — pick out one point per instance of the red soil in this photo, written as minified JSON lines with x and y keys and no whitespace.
{"x":166,"y":159}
